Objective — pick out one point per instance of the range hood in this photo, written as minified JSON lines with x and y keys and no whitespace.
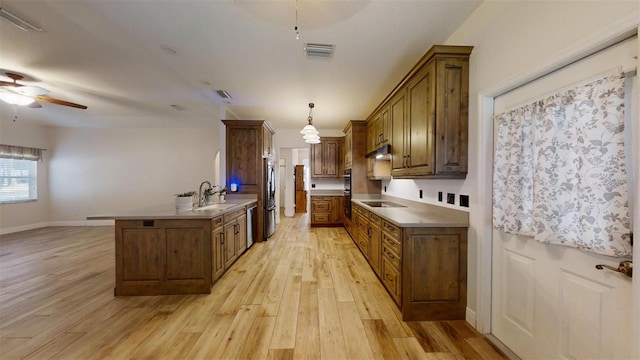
{"x":382,"y":152}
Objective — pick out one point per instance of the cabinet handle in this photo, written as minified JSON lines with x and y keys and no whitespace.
{"x":222,"y":239}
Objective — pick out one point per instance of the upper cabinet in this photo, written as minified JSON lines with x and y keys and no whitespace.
{"x":326,"y":158}
{"x":379,"y":129}
{"x":348,"y":146}
{"x":427,"y":117}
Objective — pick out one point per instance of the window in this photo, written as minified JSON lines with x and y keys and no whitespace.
{"x":18,"y":173}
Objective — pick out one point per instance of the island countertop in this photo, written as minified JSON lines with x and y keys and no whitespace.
{"x":169,"y":212}
{"x":415,"y":214}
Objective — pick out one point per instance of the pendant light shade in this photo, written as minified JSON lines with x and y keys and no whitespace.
{"x":310,"y":134}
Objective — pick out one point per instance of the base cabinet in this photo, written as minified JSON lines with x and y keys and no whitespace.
{"x":434,"y":273}
{"x":424,"y":270}
{"x":158,"y":257}
{"x":217,"y":249}
{"x":326,"y":210}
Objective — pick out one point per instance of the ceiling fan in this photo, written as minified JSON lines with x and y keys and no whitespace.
{"x":28,"y":95}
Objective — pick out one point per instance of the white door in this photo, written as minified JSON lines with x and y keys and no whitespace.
{"x":549,"y":301}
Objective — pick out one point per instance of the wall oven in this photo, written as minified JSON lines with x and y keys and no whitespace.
{"x":347,"y":193}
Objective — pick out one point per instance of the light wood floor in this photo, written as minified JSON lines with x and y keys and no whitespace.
{"x":304,"y":294}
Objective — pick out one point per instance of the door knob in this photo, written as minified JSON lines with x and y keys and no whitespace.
{"x":625,"y":267}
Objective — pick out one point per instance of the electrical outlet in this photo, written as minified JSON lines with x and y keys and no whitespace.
{"x":313,"y":186}
{"x":420,"y":195}
{"x":451,"y":198}
{"x":440,"y":196}
{"x":464,"y":200}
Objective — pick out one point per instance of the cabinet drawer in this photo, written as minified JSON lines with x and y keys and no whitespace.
{"x":391,"y":228}
{"x":321,"y":218}
{"x":216,"y":222}
{"x":391,"y":280}
{"x":321,"y":206}
{"x":234,"y":215}
{"x":391,"y":256}
{"x":374,"y":219}
{"x":391,"y":242}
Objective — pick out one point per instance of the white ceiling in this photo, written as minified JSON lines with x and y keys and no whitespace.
{"x":108,"y":55}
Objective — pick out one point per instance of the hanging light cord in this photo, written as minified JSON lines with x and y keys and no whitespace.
{"x":310,"y":118}
{"x":296,"y":27}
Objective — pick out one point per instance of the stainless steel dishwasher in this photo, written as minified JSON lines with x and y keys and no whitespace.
{"x":251,"y":225}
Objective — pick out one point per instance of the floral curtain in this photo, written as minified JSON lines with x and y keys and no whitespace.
{"x":559,"y":169}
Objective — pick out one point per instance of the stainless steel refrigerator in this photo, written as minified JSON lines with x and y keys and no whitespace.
{"x":269,"y":200}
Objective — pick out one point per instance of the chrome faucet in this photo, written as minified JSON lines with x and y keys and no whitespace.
{"x":200,"y":197}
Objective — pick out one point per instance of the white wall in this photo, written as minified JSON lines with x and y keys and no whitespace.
{"x":32,"y":214}
{"x":107,"y":171}
{"x":510,"y":37}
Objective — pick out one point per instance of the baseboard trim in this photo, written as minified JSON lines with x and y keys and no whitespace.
{"x":471,"y":318}
{"x":15,"y":229}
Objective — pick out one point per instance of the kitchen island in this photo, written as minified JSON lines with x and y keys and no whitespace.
{"x":161,"y":251}
{"x":419,"y":252}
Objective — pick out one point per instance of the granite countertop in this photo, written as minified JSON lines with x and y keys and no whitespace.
{"x":169,"y":212}
{"x":417,"y":214}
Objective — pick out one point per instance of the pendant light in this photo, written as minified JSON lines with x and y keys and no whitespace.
{"x":309,"y":132}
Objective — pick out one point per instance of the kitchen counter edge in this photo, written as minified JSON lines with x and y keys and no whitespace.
{"x":416,"y":214}
{"x":169,"y":212}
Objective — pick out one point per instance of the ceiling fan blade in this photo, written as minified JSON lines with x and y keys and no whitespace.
{"x":35,"y":105}
{"x":9,"y":83}
{"x":32,"y":90}
{"x":59,"y":102}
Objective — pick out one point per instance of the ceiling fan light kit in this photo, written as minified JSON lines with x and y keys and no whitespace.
{"x":23,"y":95}
{"x":16,"y":99}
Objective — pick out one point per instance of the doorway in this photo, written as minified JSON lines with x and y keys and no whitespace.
{"x":549,"y":301}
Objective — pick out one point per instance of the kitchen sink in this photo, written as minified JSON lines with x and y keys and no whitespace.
{"x":382,"y":204}
{"x":216,"y":207}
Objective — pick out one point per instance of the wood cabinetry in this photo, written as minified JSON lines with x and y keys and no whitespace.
{"x":428,"y":116}
{"x":378,"y":129}
{"x":326,"y":210}
{"x":248,"y":142}
{"x":356,"y":137}
{"x":235,"y":236}
{"x":422,"y":269}
{"x":348,"y":146}
{"x":327,"y":157}
{"x":434,"y":273}
{"x":217,"y":249}
{"x":158,"y":257}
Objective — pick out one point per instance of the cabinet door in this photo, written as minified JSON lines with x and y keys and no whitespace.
{"x":243,"y":164}
{"x":348,"y":141}
{"x":317,"y":165}
{"x":371,"y":133}
{"x":375,"y":248}
{"x":398,"y":133}
{"x":452,"y":117}
{"x":421,"y":120}
{"x":337,"y":209}
{"x":218,"y":253}
{"x":385,"y":126}
{"x":186,"y":255}
{"x":331,"y":158}
{"x":434,"y":273}
{"x":230,"y":254}
{"x":142,"y":255}
{"x":267,"y":142}
{"x":241,"y":235}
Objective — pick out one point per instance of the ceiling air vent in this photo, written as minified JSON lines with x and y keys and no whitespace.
{"x":223,"y":94}
{"x":319,"y":50}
